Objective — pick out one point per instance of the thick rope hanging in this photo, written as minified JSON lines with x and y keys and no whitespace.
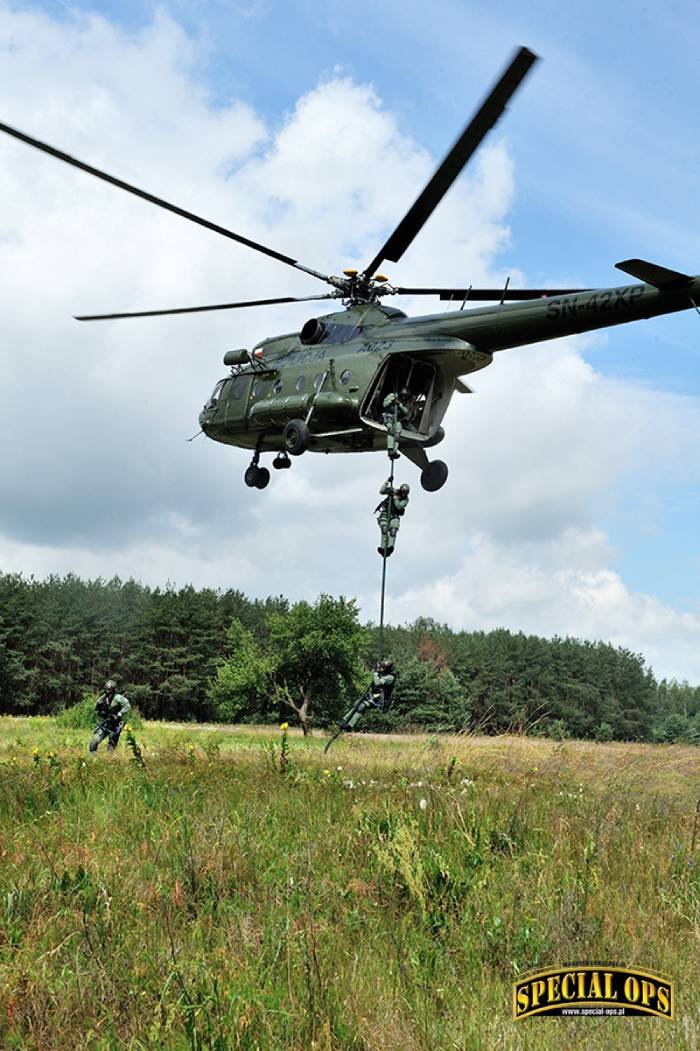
{"x":384,"y":558}
{"x":361,"y":703}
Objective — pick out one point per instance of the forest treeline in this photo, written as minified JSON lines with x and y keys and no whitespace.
{"x":208,"y":655}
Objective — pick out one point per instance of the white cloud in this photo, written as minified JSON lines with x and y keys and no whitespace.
{"x":559,"y":588}
{"x":100,"y":479}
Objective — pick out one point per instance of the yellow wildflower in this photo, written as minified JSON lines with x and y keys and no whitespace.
{"x":284,"y":726}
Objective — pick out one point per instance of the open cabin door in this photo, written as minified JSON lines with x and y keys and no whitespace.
{"x":425,"y":384}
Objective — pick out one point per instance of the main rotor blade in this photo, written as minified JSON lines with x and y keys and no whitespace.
{"x":468,"y":142}
{"x":61,"y":156}
{"x":199,"y":310}
{"x":490,"y":295}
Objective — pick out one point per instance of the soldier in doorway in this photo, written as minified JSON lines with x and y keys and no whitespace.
{"x":397,"y":410}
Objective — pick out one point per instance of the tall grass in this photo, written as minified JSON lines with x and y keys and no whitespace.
{"x":221,"y":895}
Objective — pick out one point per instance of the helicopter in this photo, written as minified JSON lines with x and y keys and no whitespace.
{"x":326,"y":387}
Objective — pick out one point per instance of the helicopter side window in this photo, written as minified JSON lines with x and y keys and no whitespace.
{"x":318,"y":380}
{"x":278,"y":385}
{"x":345,"y":377}
{"x":301,"y":383}
{"x":214,"y":397}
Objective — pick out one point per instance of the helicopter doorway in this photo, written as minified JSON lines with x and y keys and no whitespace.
{"x":423,"y":382}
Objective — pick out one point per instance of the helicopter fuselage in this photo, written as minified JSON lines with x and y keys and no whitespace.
{"x":335,"y":373}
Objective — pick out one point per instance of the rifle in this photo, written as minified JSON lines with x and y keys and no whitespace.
{"x":111,"y":724}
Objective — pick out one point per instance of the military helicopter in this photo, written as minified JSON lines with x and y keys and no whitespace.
{"x":323,"y":389}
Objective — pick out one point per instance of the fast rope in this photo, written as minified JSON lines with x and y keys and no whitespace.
{"x":362,"y":702}
{"x":390,"y":508}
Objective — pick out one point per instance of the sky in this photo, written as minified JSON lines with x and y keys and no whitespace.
{"x":574,"y":489}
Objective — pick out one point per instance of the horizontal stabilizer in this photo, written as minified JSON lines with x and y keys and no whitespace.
{"x":653,"y":274}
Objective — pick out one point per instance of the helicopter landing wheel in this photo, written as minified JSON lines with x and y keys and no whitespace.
{"x":434,"y":476}
{"x":296,"y":437}
{"x":256,"y":477}
{"x":281,"y":462}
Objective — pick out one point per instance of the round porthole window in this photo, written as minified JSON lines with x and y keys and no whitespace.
{"x":301,"y":384}
{"x":318,"y":380}
{"x":257,"y":389}
{"x":345,"y":377}
{"x":278,"y":385}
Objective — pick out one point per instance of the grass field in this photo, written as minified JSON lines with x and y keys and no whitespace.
{"x":235,"y":892}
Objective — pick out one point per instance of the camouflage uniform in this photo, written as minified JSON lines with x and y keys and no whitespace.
{"x":378,"y":695}
{"x":389,"y":514}
{"x":111,"y":709}
{"x":397,"y":410}
{"x":383,"y":680}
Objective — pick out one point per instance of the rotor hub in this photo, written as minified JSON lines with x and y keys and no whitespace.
{"x":355,"y":287}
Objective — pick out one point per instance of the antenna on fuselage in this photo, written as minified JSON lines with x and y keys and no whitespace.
{"x":505,"y":289}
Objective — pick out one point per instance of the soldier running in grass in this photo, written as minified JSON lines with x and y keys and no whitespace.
{"x":111,"y":709}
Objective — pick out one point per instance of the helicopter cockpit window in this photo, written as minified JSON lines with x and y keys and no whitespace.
{"x":239,"y":387}
{"x":214,"y":397}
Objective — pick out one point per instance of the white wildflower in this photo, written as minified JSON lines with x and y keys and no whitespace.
{"x":423,"y":804}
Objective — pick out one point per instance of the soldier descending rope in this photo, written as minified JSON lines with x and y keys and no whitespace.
{"x":389,"y":513}
{"x":377,"y":696}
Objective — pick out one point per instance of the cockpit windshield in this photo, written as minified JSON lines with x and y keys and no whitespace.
{"x":214,"y":397}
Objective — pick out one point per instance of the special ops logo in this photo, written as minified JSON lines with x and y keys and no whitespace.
{"x":593,"y":990}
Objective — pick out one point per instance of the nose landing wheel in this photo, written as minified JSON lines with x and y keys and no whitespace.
{"x":256,"y":477}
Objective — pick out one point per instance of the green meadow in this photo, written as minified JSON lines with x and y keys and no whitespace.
{"x":215,"y":888}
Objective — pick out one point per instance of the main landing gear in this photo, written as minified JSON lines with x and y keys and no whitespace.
{"x":434,"y":476}
{"x":296,"y":437}
{"x":433,"y":473}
